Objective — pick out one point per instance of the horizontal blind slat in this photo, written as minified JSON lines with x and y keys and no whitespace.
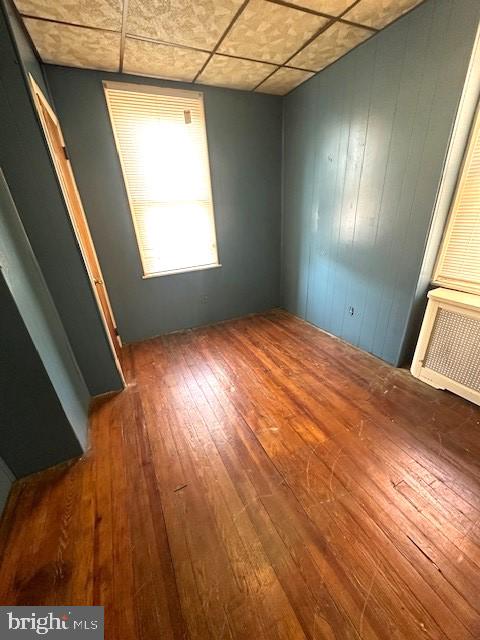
{"x":459,"y":261}
{"x":162,"y":144}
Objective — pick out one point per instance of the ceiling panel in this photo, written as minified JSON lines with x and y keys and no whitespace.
{"x":104,"y":14}
{"x":242,"y":42}
{"x":75,"y":46}
{"x":284,"y":80}
{"x":162,"y":60}
{"x":332,"y":7}
{"x":329,"y":46}
{"x":198,"y":23}
{"x":234,"y":72}
{"x":270,"y":32}
{"x":379,"y":13}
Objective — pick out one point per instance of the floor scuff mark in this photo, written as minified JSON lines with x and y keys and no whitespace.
{"x":367,"y":598}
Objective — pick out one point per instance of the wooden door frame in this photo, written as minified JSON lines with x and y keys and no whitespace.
{"x":41,"y":102}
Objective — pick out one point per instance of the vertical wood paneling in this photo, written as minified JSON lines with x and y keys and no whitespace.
{"x":365,"y":263}
{"x":297,"y":197}
{"x":375,"y":126}
{"x":407,"y":79}
{"x":415,"y":110}
{"x":414,"y":215}
{"x":329,"y":232}
{"x":359,"y":88}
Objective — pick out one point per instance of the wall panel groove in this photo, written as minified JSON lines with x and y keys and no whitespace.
{"x":376,"y":127}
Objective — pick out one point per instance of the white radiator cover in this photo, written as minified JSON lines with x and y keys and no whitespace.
{"x":448,"y":350}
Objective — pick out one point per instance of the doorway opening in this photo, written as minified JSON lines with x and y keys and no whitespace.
{"x":63,"y":167}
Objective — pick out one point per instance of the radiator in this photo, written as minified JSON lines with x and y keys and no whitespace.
{"x":448,"y":350}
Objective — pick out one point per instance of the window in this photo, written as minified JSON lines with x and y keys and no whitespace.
{"x":162,"y":144}
{"x":458,"y":264}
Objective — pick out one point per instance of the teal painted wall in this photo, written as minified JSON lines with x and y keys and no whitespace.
{"x":33,"y":301}
{"x":34,"y":433}
{"x":28,"y":169}
{"x":365,"y":143}
{"x":244,"y":134}
{"x":26,"y":55}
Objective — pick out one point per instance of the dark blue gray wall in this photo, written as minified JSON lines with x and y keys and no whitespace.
{"x":32,"y":298}
{"x":365,"y":143}
{"x":26,"y":54}
{"x":34,"y":430}
{"x":244,"y":134}
{"x":28,"y":169}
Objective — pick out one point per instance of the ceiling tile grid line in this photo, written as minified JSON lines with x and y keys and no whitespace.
{"x":183,"y":46}
{"x":413,"y":5}
{"x":161,"y":61}
{"x":259,"y":84}
{"x":269,"y":46}
{"x":198,"y":23}
{"x":310,"y":8}
{"x":104,"y":14}
{"x":340,"y":16}
{"x":25,"y":16}
{"x":123,"y":35}
{"x":322,"y":30}
{"x":160,"y":42}
{"x":154,"y":41}
{"x":270,"y":31}
{"x":279,"y":2}
{"x":223,"y":36}
{"x":247,"y":75}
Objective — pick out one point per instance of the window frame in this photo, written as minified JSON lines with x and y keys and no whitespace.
{"x":450,"y":283}
{"x":174,"y":92}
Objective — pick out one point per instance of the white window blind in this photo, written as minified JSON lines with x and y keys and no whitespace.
{"x":458,"y":264}
{"x":162,"y":143}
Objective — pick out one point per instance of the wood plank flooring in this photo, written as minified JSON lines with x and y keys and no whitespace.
{"x":259,"y":479}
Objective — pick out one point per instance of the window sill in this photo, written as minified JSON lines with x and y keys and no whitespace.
{"x":202,"y":267}
{"x":457,"y":285}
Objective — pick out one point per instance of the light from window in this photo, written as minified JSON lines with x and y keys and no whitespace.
{"x":458,"y":264}
{"x":162,"y":144}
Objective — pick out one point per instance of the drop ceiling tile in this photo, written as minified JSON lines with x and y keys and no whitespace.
{"x":161,"y":60}
{"x":194,"y":23}
{"x":379,"y":13}
{"x":270,"y":32}
{"x":329,"y":46}
{"x":284,"y":80}
{"x":104,"y":14}
{"x":332,"y":7}
{"x":75,"y":46}
{"x":234,"y":72}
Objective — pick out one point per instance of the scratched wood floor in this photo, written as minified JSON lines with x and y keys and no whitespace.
{"x":260,"y":479}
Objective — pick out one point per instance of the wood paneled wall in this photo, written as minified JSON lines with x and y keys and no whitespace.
{"x":365,"y":143}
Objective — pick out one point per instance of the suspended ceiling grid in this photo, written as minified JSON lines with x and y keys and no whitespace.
{"x":270,"y":46}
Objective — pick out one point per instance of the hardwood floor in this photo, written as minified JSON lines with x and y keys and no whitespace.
{"x":260,"y":479}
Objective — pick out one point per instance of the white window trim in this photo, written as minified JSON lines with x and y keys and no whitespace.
{"x":451,"y":283}
{"x":201,"y":267}
{"x":456,"y":149}
{"x":157,"y":90}
{"x":450,"y":171}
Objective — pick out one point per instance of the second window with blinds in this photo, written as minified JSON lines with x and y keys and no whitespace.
{"x":458,"y":263}
{"x":161,"y":140}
